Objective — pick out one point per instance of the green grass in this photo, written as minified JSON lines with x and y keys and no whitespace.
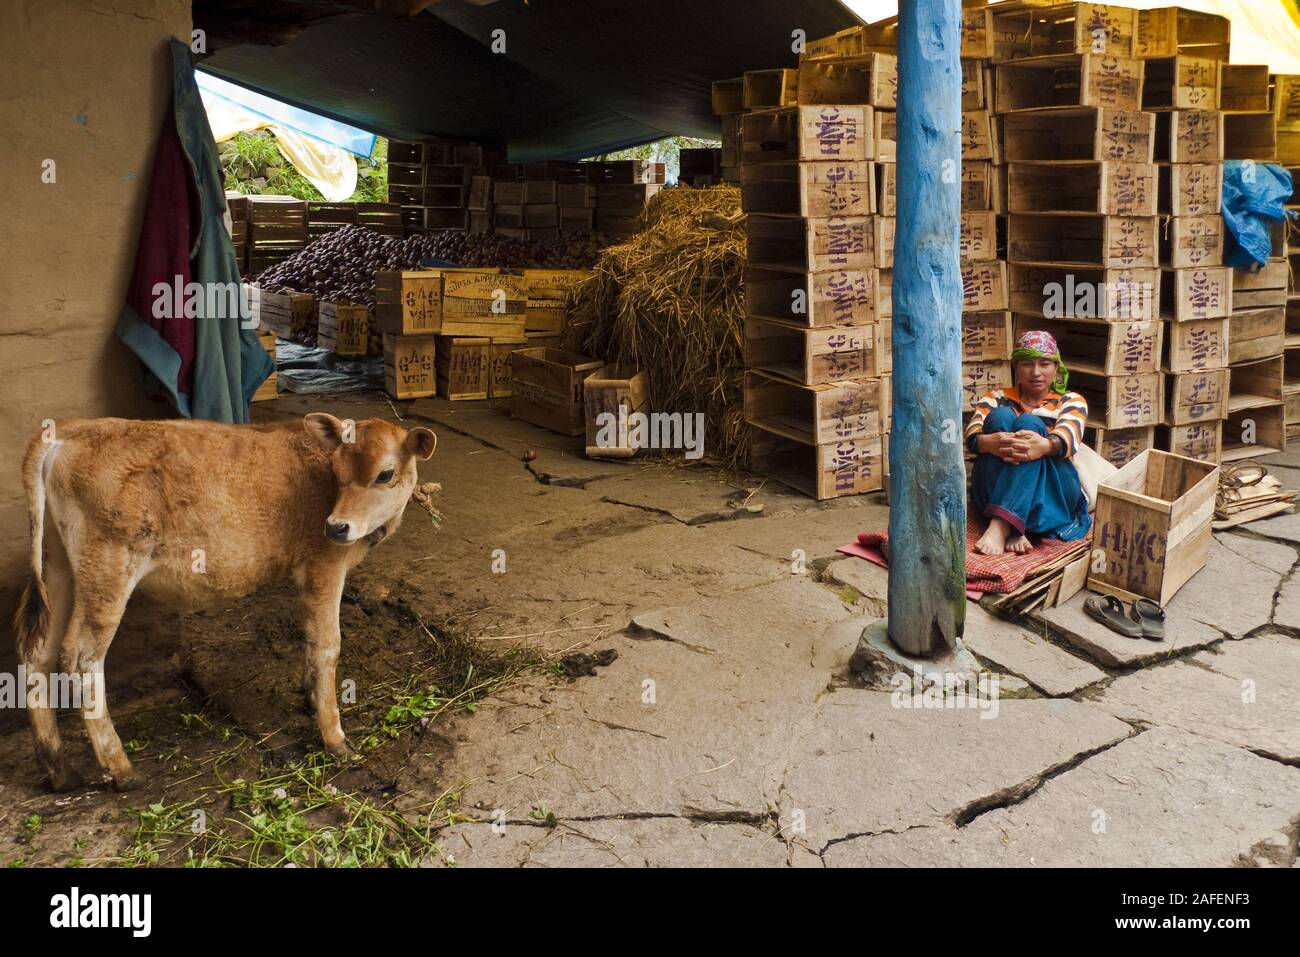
{"x":299,"y":816}
{"x":254,"y":165}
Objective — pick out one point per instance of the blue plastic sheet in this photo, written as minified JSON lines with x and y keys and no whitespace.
{"x":1254,"y":198}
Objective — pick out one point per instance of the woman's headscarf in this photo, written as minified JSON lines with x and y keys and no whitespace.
{"x":1037,"y":344}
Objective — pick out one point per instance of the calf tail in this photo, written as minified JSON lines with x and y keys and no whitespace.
{"x":32,"y":620}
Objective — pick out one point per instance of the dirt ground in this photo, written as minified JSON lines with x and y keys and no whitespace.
{"x":646,"y":663}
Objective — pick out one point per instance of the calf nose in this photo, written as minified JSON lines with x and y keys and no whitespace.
{"x":336,"y":531}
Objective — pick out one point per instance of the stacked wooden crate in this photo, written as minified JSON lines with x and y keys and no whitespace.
{"x":1256,"y":417}
{"x":268,"y":389}
{"x":728,"y":97}
{"x":987,"y":333}
{"x":1291,"y":343}
{"x":325,"y":218}
{"x":1082,"y":246}
{"x":442,"y":186}
{"x":623,"y":188}
{"x":815,"y":389}
{"x":699,"y":167}
{"x":408,"y":313}
{"x":277,"y":228}
{"x":1182,"y":54}
{"x":237,"y":206}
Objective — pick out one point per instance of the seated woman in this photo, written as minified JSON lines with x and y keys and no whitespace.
{"x":1024,"y":481}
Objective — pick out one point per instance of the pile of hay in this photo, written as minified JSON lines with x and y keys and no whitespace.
{"x":671,"y":301}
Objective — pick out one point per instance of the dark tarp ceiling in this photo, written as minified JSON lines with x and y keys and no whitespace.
{"x":578,"y":78}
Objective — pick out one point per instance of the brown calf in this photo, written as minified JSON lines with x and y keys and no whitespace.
{"x":192,"y":513}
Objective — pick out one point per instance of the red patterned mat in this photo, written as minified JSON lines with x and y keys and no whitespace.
{"x":984,"y":573}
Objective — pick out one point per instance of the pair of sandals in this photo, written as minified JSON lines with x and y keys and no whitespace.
{"x":1145,"y":619}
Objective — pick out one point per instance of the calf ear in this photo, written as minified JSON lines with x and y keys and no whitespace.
{"x":326,"y":429}
{"x":420,"y":443}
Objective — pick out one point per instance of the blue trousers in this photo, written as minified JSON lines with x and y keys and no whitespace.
{"x":1042,"y":497}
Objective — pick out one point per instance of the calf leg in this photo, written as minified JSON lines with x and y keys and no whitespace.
{"x":105,"y":584}
{"x":321,"y":596}
{"x":41,"y":658}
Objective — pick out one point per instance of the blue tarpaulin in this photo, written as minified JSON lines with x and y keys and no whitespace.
{"x":283,"y":114}
{"x":1254,"y":198}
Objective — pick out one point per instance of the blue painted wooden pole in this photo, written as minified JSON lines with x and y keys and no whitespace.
{"x":927,"y":515}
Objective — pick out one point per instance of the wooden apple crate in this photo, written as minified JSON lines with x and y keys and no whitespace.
{"x":1120,"y":446}
{"x":1104,"y":348}
{"x":499,"y":352}
{"x":483,"y":303}
{"x":986,"y":336}
{"x":268,"y":389}
{"x":1168,"y":31}
{"x":883,"y":229}
{"x":977,"y":237}
{"x":1180,"y":83}
{"x":609,"y":391}
{"x":814,"y":356}
{"x":1080,"y":134}
{"x":1189,"y":136}
{"x":1153,"y":526}
{"x":1256,"y":334}
{"x":979,"y":378}
{"x":546,"y":388}
{"x":1250,"y":433}
{"x":1250,"y":136}
{"x":1190,"y":189}
{"x":1082,"y":186}
{"x":1114,"y":242}
{"x":1263,"y":288}
{"x":409,"y":371}
{"x":803,"y":133}
{"x":884,"y":135}
{"x":1197,"y":345}
{"x":1201,"y":293}
{"x":835,"y":298}
{"x":887,"y":189}
{"x":865,"y":79}
{"x":844,"y":467}
{"x":1085,"y":79}
{"x":1190,"y":241}
{"x":819,"y":414}
{"x":768,"y":89}
{"x":1037,"y":30}
{"x":287,"y":315}
{"x":1202,"y":441}
{"x":1244,"y":88}
{"x":983,"y":287}
{"x":811,"y":245}
{"x":976,"y":186}
{"x":463,"y":366}
{"x":810,"y":190}
{"x":408,"y":302}
{"x":1195,"y":397}
{"x":1074,"y":292}
{"x":344,"y":329}
{"x":1122,"y":401}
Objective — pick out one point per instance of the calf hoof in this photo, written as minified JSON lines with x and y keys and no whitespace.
{"x":127,"y":780}
{"x":64,"y":778}
{"x":342,"y":749}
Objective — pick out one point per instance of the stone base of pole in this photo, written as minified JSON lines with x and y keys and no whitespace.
{"x":877,"y":656}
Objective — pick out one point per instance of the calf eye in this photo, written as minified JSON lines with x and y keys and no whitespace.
{"x":385,"y":477}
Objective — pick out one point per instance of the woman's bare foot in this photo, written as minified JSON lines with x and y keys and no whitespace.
{"x":994,"y":541}
{"x":1019,"y":544}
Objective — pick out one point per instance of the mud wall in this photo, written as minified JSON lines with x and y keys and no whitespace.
{"x":85,"y":85}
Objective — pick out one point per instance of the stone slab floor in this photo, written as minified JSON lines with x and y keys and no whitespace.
{"x":728,"y":730}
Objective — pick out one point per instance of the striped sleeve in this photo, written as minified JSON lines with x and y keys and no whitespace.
{"x":983,"y":407}
{"x":1070,"y":422}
